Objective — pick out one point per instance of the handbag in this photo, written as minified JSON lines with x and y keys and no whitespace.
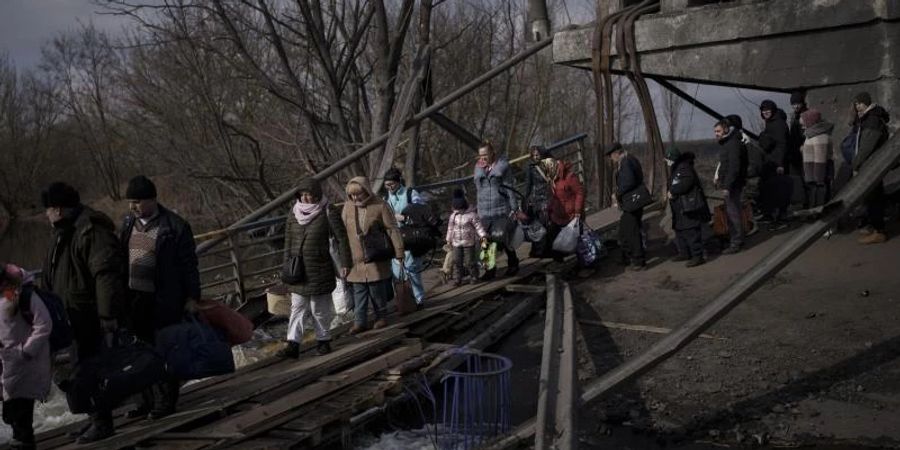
{"x":693,"y":201}
{"x":375,"y":243}
{"x":636,"y":199}
{"x":403,"y":293}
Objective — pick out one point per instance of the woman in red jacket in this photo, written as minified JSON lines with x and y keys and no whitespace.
{"x":566,"y":198}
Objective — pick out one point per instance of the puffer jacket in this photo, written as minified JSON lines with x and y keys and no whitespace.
{"x":777,"y":136}
{"x":85,"y":263}
{"x":358,"y":221}
{"x":567,"y":195}
{"x":313,"y":242}
{"x":464,"y":229}
{"x":495,"y":199}
{"x":684,"y":181}
{"x":25,"y":352}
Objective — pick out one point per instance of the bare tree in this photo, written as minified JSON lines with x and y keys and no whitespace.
{"x":671,"y":109}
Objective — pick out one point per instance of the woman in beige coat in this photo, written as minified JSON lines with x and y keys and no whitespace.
{"x":370,"y":282}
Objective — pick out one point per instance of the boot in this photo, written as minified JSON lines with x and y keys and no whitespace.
{"x":459,"y":278}
{"x":143,"y":407}
{"x":101,"y":428}
{"x":695,"y":261}
{"x":356,"y":329}
{"x":165,"y":399}
{"x":323,"y":347}
{"x":876,"y":237}
{"x":473,"y":277}
{"x":681,"y":257}
{"x":821,"y":194}
{"x":489,"y":275}
{"x":380,"y":323}
{"x":513,"y":262}
{"x":291,"y":350}
{"x":17,"y":444}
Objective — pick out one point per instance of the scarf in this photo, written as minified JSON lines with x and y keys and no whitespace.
{"x":306,"y":212}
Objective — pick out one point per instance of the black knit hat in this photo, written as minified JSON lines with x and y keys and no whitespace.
{"x":768,"y":105}
{"x":735,"y":120}
{"x":459,"y":202}
{"x":393,"y":174}
{"x":60,"y":195}
{"x":614,"y":147}
{"x":864,"y":98}
{"x":798,"y":98}
{"x":140,"y":188}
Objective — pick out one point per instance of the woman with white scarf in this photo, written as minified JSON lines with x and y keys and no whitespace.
{"x":313,"y":228}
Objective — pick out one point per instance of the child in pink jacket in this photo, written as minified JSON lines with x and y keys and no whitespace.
{"x":464,"y":233}
{"x":24,"y":354}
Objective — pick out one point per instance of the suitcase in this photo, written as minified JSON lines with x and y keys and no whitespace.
{"x":119,"y":371}
{"x":720,"y":220}
{"x":193,"y":350}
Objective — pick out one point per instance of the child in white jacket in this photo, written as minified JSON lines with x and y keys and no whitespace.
{"x":464,"y":233}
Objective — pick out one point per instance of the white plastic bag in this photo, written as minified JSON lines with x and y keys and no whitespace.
{"x":567,"y":239}
{"x":341,"y":297}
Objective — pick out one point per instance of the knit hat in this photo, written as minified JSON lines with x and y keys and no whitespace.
{"x":672,"y":154}
{"x":735,"y":120}
{"x":60,"y":195}
{"x":798,"y":98}
{"x":393,"y":174}
{"x":767,"y":105}
{"x":810,"y":117}
{"x":611,"y":148}
{"x":140,"y":188}
{"x":310,"y":185}
{"x":864,"y":98}
{"x":459,"y":202}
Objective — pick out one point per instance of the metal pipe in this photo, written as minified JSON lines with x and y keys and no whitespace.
{"x":378,"y":142}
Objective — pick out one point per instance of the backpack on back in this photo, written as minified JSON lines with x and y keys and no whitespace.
{"x":61,"y":334}
{"x":420,"y":230}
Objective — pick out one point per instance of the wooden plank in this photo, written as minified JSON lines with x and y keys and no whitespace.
{"x":258,"y":419}
{"x":526,"y":288}
{"x":137,"y":433}
{"x":566,"y":437}
{"x":548,"y":381}
{"x":644,"y":328}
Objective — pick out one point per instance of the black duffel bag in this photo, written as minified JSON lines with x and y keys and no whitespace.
{"x":193,"y":349}
{"x":125,"y":366}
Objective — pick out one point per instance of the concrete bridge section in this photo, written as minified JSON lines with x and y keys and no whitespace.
{"x":831,"y":48}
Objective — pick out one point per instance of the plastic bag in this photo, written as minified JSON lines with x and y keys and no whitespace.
{"x":341,"y":297}
{"x":488,"y":256}
{"x":567,"y":239}
{"x":590,"y":248}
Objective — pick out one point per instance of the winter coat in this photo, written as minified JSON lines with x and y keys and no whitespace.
{"x":817,"y":146}
{"x":776,"y":147}
{"x":873,"y":133}
{"x":567,"y":198}
{"x":464,"y":229}
{"x":374,"y":211}
{"x":493,"y":190}
{"x":684,"y":181}
{"x":537,"y":192}
{"x":732,"y":162}
{"x":85,"y":263}
{"x":177,"y":278}
{"x":313,"y":242}
{"x":25,"y":352}
{"x":629,"y":176}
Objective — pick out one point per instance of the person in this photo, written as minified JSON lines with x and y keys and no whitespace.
{"x":464,"y":229}
{"x":313,"y":227}
{"x":732,"y":178}
{"x":566,"y":201}
{"x":775,"y":189}
{"x":399,"y":197}
{"x":162,"y":278}
{"x":872,"y":121}
{"x":629,"y":177}
{"x":796,"y":136}
{"x":84,"y":268}
{"x":496,"y":202}
{"x":370,"y":282}
{"x":685,"y":189}
{"x":537,"y":194}
{"x":24,"y":354}
{"x":818,"y":157}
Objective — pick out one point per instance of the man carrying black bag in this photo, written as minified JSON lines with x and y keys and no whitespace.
{"x":83,"y":268}
{"x":162,"y":277}
{"x":631,"y":197}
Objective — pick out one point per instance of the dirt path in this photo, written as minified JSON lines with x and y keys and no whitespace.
{"x":811,"y":357}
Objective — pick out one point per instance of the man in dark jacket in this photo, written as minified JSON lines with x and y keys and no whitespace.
{"x":731,"y":178}
{"x":689,"y":208}
{"x":629,"y":179}
{"x":775,"y":189}
{"x":162,"y":276}
{"x":872,"y":121}
{"x":84,"y":268}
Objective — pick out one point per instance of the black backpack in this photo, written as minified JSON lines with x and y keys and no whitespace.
{"x":61,"y":334}
{"x":421,"y":228}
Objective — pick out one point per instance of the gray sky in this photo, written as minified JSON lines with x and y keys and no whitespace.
{"x":26,"y":24}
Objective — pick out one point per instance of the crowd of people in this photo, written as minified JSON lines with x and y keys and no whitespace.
{"x":145,"y":276}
